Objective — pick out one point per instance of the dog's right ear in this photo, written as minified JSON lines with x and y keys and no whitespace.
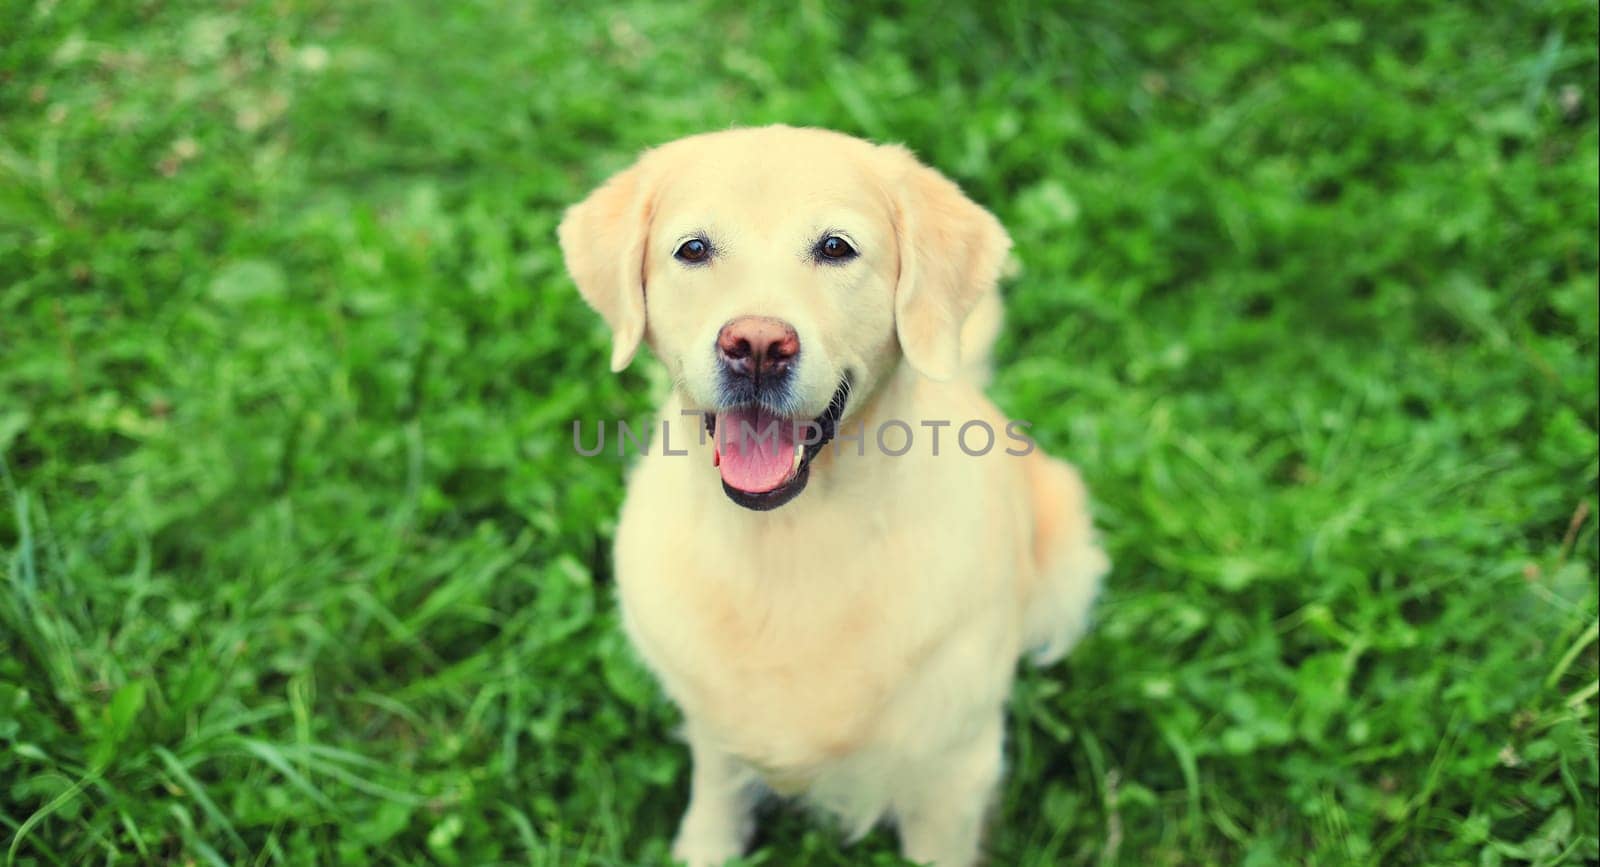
{"x":603,"y":242}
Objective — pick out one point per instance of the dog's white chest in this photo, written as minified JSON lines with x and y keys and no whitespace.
{"x":788,"y":680}
{"x":856,"y":627}
{"x":821,"y":653}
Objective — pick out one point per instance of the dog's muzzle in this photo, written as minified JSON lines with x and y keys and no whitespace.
{"x":751,"y":463}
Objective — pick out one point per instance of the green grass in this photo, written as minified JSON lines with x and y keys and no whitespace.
{"x":298,"y":565}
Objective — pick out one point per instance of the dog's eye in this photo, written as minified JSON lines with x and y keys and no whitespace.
{"x":693,"y":250}
{"x":835,"y":248}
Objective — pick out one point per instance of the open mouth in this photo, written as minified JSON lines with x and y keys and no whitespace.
{"x":765,"y":459}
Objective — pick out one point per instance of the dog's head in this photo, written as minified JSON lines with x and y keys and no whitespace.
{"x":781,"y":274}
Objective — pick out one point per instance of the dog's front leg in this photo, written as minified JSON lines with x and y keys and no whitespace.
{"x":722,"y":790}
{"x":941,"y":821}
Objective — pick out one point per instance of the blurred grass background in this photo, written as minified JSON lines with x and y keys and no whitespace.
{"x":299,"y":566}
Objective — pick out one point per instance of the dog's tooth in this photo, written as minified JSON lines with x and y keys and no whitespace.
{"x":799,"y":455}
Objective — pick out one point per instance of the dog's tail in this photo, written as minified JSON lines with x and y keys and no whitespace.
{"x":1069,"y":562}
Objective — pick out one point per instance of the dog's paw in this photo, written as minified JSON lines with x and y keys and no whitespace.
{"x":693,"y":850}
{"x":710,"y":839}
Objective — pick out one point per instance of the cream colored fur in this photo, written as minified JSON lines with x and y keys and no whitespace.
{"x":855,"y":646}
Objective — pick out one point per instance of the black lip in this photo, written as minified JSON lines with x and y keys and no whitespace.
{"x":828,"y":423}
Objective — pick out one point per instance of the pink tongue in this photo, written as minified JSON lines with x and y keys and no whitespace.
{"x":755,"y":449}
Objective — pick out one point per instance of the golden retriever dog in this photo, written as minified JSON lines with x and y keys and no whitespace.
{"x":838,"y":549}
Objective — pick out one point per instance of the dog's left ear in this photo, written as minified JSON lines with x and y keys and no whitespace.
{"x":603,"y":241}
{"x":951,"y":254}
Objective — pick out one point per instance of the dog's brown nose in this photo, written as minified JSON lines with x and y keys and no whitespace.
{"x":757,"y":346}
